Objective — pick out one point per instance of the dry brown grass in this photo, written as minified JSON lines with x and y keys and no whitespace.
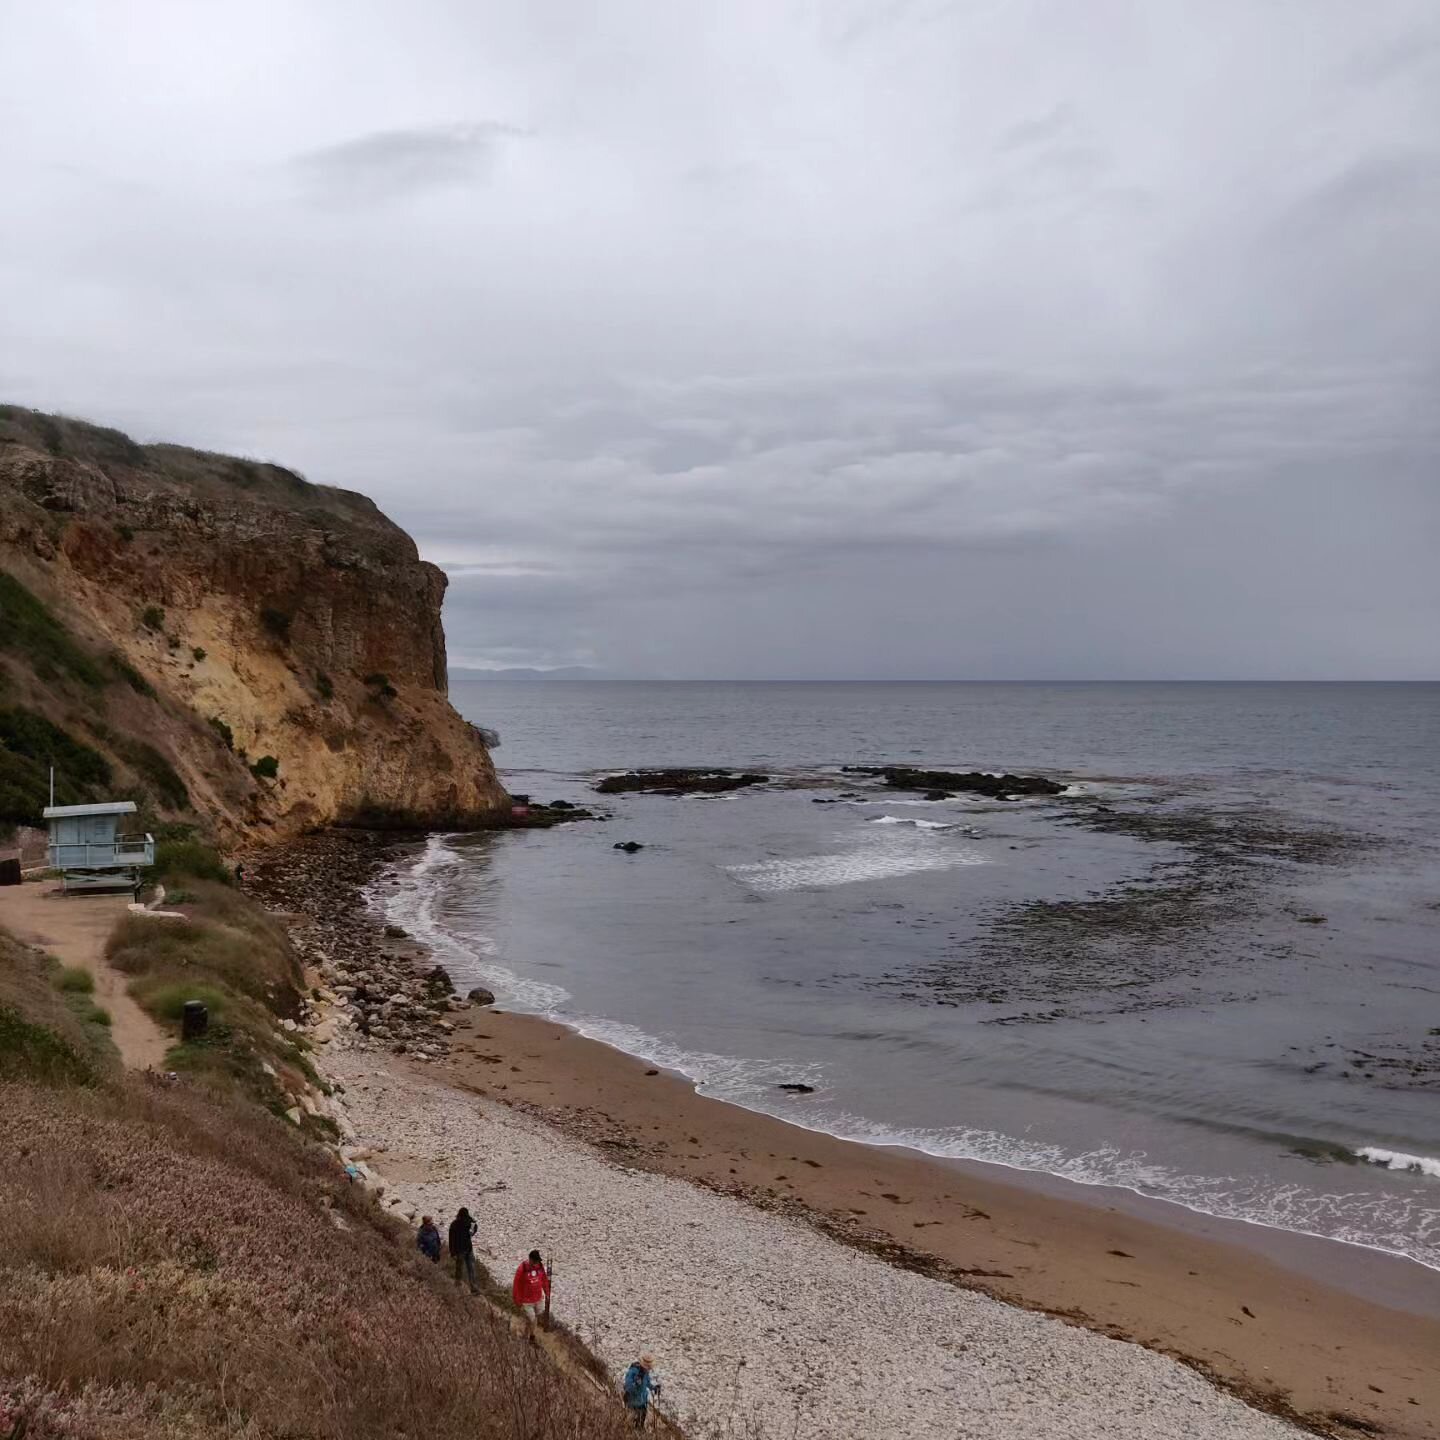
{"x":177,"y":1266}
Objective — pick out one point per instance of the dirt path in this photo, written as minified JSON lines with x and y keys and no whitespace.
{"x":74,"y":930}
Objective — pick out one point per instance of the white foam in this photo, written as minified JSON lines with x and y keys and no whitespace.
{"x":412,"y":900}
{"x":849,"y":867}
{"x":1398,"y":1160}
{"x":911,"y":820}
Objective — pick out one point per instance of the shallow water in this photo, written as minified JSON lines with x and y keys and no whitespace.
{"x":1218,"y":989}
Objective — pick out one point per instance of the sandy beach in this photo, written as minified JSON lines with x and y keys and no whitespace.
{"x":1332,"y":1354}
{"x":761,"y":1326}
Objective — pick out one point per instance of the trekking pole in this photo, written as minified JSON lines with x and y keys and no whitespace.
{"x":549,"y":1285}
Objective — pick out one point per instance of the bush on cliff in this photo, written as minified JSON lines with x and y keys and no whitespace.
{"x":29,"y":746}
{"x":180,"y":857}
{"x":28,"y":629}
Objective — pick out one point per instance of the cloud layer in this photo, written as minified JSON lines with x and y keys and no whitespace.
{"x":924,"y":339}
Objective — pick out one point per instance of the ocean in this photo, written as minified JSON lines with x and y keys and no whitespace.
{"x":1209,"y":972}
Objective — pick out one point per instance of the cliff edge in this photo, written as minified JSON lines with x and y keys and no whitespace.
{"x":238,"y":644}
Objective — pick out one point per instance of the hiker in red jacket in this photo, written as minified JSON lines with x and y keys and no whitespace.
{"x":531,"y":1289}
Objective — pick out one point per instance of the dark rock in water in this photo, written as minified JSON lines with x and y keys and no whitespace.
{"x":562,"y":805}
{"x":652,"y":1072}
{"x":677,"y":782}
{"x":439,"y":982}
{"x":796,"y":1088}
{"x":972,"y":782}
{"x":937,"y":794}
{"x":825,"y":800}
{"x":628,"y":846}
{"x":394,"y":932}
{"x":481,"y":996}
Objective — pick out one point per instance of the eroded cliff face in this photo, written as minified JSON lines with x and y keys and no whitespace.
{"x":270,"y":617}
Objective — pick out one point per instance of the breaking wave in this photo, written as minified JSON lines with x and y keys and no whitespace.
{"x":1398,"y":1160}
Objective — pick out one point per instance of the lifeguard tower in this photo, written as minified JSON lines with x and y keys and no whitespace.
{"x":86,"y":846}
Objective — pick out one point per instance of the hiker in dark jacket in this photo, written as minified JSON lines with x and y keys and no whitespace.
{"x":462,"y":1247}
{"x":638,"y":1387}
{"x":427,"y":1239}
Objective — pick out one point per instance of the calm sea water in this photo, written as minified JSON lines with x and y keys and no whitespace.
{"x":1209,"y":973}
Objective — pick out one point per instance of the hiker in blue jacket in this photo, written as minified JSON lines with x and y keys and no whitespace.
{"x":639,"y":1385}
{"x":427,"y":1239}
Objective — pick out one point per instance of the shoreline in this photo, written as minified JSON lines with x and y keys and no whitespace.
{"x":1093,"y":1262}
{"x":1237,"y":1313}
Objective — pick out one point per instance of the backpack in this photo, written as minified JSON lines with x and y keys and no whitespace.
{"x":635,"y":1378}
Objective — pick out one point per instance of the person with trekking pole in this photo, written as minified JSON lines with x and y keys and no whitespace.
{"x":531,"y":1288}
{"x":462,"y":1247}
{"x":638,"y":1388}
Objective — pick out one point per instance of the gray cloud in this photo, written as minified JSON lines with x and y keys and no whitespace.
{"x":400,"y":164}
{"x":921,"y":338}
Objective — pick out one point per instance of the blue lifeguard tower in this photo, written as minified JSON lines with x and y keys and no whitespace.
{"x":86,"y":846}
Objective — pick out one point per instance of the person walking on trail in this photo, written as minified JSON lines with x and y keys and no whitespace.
{"x":638,"y":1387}
{"x":462,"y":1247}
{"x":427,"y":1239}
{"x":531,"y":1288}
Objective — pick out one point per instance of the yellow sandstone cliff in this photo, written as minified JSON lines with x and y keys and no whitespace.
{"x":235,"y":619}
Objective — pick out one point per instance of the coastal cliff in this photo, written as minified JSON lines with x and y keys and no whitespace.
{"x":228,"y":639}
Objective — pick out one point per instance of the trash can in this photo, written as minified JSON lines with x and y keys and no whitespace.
{"x":195,"y":1020}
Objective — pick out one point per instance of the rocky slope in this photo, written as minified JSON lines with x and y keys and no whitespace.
{"x":228,"y":639}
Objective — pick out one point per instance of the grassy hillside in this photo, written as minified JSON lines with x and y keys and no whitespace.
{"x":180,"y":1263}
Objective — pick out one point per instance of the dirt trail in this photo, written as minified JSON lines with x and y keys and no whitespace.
{"x":74,"y":930}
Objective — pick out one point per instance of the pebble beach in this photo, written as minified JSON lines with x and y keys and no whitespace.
{"x":761,"y":1327}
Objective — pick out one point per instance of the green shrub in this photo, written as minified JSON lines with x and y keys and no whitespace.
{"x":34,"y":1053}
{"x":26,"y":732}
{"x":123,"y":670}
{"x":277,"y":622}
{"x":267,"y":767}
{"x":29,"y":630}
{"x":378,"y":679}
{"x":187,"y":857}
{"x":157,"y":772}
{"x":198,"y":654}
{"x":152,"y":617}
{"x":223,"y":731}
{"x":165,"y":999}
{"x":324,"y":685}
{"x":125,"y":532}
{"x":75,"y":981}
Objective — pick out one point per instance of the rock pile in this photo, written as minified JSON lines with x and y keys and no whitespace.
{"x":373,"y":985}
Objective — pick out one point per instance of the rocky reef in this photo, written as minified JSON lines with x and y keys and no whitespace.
{"x":942,"y":784}
{"x":677,"y":782}
{"x":277,"y":644}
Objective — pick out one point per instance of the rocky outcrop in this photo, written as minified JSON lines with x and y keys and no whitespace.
{"x":677,"y":782}
{"x":942,"y":784}
{"x":279,"y":642}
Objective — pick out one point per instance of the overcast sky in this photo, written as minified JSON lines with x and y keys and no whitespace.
{"x":998,"y":338}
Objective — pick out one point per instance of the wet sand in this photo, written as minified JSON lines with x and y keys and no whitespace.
{"x":1238,"y":1302}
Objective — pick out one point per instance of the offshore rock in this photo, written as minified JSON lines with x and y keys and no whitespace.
{"x":677,"y":782}
{"x":942,"y":783}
